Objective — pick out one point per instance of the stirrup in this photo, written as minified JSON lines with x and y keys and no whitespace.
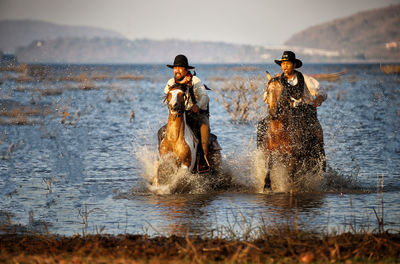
{"x":203,"y":169}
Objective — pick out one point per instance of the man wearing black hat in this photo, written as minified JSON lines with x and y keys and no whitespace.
{"x":197,"y":111}
{"x":305,"y":96}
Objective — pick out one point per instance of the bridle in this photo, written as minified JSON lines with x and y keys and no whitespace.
{"x":181,"y":106}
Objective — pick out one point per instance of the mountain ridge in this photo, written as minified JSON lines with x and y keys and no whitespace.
{"x":22,"y":32}
{"x":114,"y":50}
{"x":369,"y":36}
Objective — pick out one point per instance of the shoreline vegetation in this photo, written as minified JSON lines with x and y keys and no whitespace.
{"x":275,"y":246}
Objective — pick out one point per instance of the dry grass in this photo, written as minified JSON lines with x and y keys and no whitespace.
{"x":242,"y":98}
{"x":83,"y":77}
{"x":14,"y":68}
{"x":390,"y":69}
{"x":51,"y":92}
{"x":22,"y":111}
{"x":330,"y":77}
{"x":22,"y":115}
{"x":282,"y":247}
{"x":99,"y":77}
{"x":217,"y":78}
{"x":246,"y":68}
{"x":84,"y":81}
{"x":130,"y":77}
{"x":24,"y":78}
{"x":353,"y":78}
{"x":18,"y":121}
{"x":86,"y":85}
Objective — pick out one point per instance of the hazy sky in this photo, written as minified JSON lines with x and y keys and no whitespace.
{"x":263,"y":22}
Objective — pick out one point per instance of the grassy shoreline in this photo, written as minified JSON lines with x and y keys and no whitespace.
{"x":283,"y":247}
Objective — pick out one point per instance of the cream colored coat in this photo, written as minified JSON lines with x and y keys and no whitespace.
{"x":199,"y":91}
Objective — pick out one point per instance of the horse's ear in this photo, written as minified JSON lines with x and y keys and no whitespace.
{"x":165,"y":99}
{"x":275,"y":78}
{"x":269,"y":77}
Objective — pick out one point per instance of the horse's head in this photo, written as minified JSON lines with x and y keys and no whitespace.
{"x":274,"y":92}
{"x":175,"y":99}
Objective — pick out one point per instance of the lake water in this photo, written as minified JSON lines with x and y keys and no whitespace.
{"x":87,"y":171}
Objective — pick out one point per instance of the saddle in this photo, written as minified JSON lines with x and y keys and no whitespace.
{"x":201,"y":165}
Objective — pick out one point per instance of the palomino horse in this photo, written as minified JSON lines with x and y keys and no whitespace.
{"x":179,"y":149}
{"x":293,"y":149}
{"x":179,"y":145}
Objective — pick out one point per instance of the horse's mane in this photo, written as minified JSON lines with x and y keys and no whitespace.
{"x":273,"y":95}
{"x":276,"y":78}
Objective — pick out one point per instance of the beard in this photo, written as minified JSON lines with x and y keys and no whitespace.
{"x":179,"y":77}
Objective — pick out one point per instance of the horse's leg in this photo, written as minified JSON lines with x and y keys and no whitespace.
{"x":168,"y":166}
{"x":183,"y":153}
{"x":320,"y":144}
{"x":268,"y":164}
{"x":280,"y":173}
{"x":168,"y":163}
{"x":161,"y":134}
{"x":262,"y":128}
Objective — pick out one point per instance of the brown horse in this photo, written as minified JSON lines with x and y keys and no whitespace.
{"x":179,"y":145}
{"x":293,"y":149}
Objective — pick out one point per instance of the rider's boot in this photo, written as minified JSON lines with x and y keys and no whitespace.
{"x":205,"y":134}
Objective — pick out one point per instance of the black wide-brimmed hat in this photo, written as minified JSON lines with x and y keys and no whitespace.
{"x":181,"y":61}
{"x":289,"y":56}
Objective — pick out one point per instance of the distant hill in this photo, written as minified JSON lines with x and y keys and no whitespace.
{"x":364,"y":37}
{"x":114,"y":50}
{"x":370,"y":35}
{"x":18,"y":33}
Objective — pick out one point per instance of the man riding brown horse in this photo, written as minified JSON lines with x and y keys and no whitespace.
{"x":197,"y":103}
{"x":302,"y":95}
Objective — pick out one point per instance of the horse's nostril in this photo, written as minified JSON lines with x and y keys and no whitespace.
{"x":173,"y":106}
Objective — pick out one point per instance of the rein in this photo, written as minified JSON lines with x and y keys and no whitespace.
{"x":182,"y":108}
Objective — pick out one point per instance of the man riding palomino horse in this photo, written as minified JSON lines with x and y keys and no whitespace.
{"x":196,"y":106}
{"x":304,"y":95}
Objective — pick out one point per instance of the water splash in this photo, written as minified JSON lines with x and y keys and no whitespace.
{"x":237,"y":173}
{"x":243,"y":173}
{"x":175,"y":180}
{"x":306,"y":179}
{"x":149,"y":160}
{"x":335,"y":181}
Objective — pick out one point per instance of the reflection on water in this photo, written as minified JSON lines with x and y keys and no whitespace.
{"x":183,"y":214}
{"x":84,"y":153}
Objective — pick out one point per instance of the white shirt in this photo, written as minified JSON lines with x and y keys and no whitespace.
{"x":199,"y":93}
{"x":312,"y":91}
